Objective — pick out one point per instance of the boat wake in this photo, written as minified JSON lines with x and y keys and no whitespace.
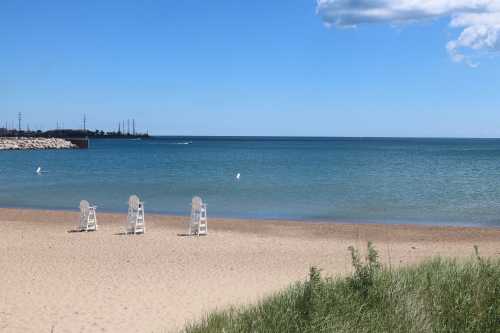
{"x":180,"y":143}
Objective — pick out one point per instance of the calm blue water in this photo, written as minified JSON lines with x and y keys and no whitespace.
{"x":429,"y":181}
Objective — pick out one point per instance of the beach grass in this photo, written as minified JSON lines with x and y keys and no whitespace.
{"x":438,"y":295}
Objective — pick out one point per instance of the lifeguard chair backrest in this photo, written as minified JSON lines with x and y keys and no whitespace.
{"x":196,"y":203}
{"x":134,"y":202}
{"x":84,"y":206}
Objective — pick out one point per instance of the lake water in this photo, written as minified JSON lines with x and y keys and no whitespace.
{"x":420,"y":181}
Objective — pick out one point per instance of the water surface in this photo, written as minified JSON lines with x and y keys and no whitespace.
{"x":427,"y":181}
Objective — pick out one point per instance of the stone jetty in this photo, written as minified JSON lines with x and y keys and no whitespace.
{"x":34,"y":143}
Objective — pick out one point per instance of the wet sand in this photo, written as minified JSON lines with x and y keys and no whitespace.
{"x":56,"y":280}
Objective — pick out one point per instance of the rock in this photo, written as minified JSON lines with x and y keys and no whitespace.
{"x":34,"y":143}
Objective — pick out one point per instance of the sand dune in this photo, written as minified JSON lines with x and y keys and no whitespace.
{"x":61,"y":281}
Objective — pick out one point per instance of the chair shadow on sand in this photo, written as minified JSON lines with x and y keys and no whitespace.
{"x":123,"y":233}
{"x":77,"y":230}
{"x":190,"y":235}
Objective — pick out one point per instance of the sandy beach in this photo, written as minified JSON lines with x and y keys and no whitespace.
{"x":56,"y":280}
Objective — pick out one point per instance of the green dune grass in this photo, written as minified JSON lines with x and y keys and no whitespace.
{"x":439,"y":295}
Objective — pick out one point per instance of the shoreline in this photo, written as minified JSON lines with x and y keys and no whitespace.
{"x":278,"y":219}
{"x":223,"y":222}
{"x":56,"y":279}
{"x":315,"y":229}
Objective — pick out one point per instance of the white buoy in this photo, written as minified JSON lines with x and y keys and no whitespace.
{"x":238,"y":176}
{"x":39,"y":170}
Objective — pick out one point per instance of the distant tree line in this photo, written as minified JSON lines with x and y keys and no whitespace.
{"x":69,"y":133}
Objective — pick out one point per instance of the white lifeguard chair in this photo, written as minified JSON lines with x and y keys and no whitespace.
{"x":198,"y":224}
{"x":135,"y":217}
{"x":88,"y":218}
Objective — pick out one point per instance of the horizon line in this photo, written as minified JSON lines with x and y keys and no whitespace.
{"x":320,"y":136}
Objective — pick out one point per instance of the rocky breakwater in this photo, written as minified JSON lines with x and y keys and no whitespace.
{"x":34,"y":143}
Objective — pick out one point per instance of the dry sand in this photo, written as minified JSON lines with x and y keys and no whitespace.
{"x":54,"y":280}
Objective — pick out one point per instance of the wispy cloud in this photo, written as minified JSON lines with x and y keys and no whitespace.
{"x":477,"y":20}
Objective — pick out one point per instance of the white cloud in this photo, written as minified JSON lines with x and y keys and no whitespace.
{"x":478,"y":20}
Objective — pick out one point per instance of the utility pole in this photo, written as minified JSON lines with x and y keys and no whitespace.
{"x":128,"y":126}
{"x":119,"y":127}
{"x":19,"y":118}
{"x":133,"y":126}
{"x":84,"y":122}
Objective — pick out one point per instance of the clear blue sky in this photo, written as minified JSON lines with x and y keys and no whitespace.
{"x":237,"y":68}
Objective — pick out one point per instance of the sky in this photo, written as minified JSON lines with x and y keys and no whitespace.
{"x":427,"y":68}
